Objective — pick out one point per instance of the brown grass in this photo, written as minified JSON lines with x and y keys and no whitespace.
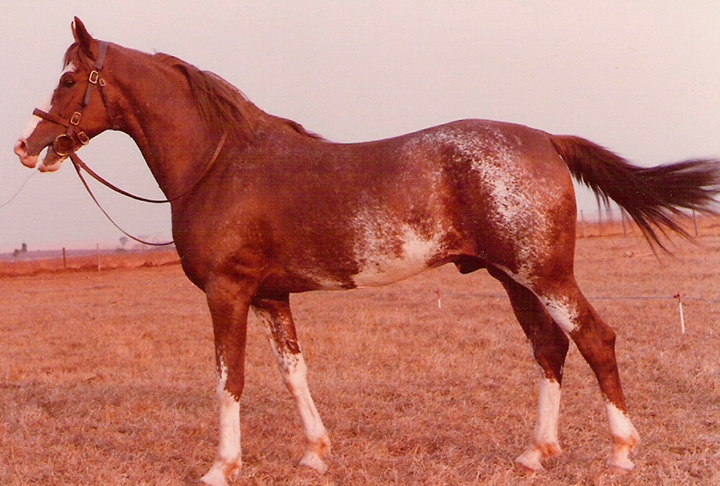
{"x":107,"y":378}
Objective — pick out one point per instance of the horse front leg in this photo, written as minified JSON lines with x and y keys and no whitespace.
{"x":228,"y":300}
{"x":280,"y":329}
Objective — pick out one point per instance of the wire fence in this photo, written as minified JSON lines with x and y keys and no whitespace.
{"x":615,"y":221}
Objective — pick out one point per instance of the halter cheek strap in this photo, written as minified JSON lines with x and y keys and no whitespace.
{"x":65,"y":143}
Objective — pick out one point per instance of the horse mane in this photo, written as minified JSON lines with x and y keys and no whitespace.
{"x":224,"y":107}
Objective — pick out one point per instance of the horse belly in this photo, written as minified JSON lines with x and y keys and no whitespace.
{"x":383,"y":261}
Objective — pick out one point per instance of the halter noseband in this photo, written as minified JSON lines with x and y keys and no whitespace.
{"x":64,"y":143}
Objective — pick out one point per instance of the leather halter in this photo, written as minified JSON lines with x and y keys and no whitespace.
{"x":64,"y":146}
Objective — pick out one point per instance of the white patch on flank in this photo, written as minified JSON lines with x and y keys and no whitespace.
{"x":562,"y":312}
{"x":376,"y":250}
{"x":516,"y":197}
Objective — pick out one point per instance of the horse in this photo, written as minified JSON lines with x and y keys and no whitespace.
{"x":262,"y":208}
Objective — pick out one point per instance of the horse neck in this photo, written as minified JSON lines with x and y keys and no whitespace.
{"x":153,"y":104}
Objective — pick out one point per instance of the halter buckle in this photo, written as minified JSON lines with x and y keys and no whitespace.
{"x":84,"y":139}
{"x":63,"y":145}
{"x":75,"y":118}
{"x":94,"y":76}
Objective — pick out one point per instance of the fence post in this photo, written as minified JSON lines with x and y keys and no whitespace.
{"x":622,"y":216}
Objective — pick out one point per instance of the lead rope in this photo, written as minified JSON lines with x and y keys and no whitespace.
{"x":79,"y":164}
{"x":97,"y":203}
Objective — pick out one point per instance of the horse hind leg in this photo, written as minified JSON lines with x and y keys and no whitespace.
{"x":550,"y":346}
{"x":280,"y":330}
{"x":596,"y":342}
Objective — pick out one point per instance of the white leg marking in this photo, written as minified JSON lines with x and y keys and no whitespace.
{"x":625,"y":437}
{"x":545,"y":439}
{"x":229,"y":460}
{"x":294,"y":374}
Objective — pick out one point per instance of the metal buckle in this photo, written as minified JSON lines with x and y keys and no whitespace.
{"x":75,"y":119}
{"x":84,"y":139}
{"x":94,"y":76}
{"x":63,"y":145}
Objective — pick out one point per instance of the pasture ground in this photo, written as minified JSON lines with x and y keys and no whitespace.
{"x":108,"y":378}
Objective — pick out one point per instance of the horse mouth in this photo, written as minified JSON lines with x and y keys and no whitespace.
{"x":50,"y":163}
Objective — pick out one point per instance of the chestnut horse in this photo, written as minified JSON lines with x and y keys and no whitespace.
{"x":261,"y":209}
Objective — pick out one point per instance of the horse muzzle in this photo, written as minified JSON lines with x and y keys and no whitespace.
{"x":57,"y":152}
{"x":27,"y":160}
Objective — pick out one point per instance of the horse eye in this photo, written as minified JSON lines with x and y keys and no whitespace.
{"x":67,"y":82}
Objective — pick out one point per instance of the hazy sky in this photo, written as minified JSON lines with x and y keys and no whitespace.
{"x":639,"y":77}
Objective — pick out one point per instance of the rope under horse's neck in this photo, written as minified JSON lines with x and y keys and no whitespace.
{"x":79,"y":164}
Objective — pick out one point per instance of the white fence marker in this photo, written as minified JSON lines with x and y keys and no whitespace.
{"x":682,"y":315}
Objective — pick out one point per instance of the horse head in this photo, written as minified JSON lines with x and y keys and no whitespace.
{"x":76,"y":110}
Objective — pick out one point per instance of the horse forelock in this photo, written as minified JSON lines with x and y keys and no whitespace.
{"x":75,"y":55}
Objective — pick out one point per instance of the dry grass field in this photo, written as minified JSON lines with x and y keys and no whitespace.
{"x":107,"y":378}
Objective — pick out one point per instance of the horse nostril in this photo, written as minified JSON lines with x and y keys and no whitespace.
{"x":20,"y":148}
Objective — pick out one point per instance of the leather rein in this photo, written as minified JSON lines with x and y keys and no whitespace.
{"x":64,"y":144}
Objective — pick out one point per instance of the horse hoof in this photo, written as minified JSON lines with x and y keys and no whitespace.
{"x":214,"y":477}
{"x":530,"y":460}
{"x":620,"y":464}
{"x":313,"y":461}
{"x":219,"y":474}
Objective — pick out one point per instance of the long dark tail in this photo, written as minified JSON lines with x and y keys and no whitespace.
{"x":652,"y":196}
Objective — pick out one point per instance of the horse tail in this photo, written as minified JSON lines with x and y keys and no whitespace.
{"x":652,"y":196}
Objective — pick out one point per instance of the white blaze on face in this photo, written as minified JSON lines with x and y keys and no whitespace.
{"x":46,"y":106}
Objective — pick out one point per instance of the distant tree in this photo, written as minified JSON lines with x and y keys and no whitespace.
{"x":123,"y":241}
{"x":23,"y":249}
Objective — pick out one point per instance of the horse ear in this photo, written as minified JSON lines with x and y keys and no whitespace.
{"x":83,"y":38}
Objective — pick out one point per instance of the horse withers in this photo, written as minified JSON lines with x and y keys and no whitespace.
{"x":261,"y":208}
